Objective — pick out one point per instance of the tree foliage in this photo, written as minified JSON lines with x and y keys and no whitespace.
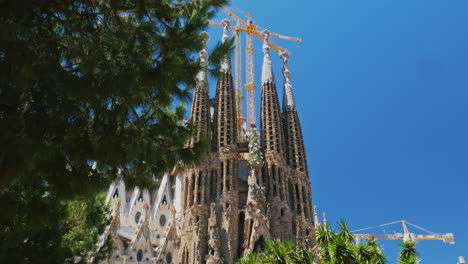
{"x":280,"y":253}
{"x":84,"y":81}
{"x":334,"y":248}
{"x":85,"y":221}
{"x":90,"y":82}
{"x":339,"y":247}
{"x":408,"y":253}
{"x":36,"y":227}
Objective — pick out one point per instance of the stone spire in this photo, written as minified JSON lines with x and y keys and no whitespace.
{"x":195,"y":196}
{"x":226,"y":146}
{"x":225,"y":116}
{"x":274,"y":175}
{"x":295,"y":152}
{"x":272,"y":130}
{"x":200,"y":113}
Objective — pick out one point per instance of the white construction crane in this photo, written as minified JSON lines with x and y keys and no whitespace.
{"x":406,"y":235}
{"x":250,"y":29}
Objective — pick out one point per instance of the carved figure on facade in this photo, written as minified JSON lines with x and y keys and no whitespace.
{"x":213,"y":256}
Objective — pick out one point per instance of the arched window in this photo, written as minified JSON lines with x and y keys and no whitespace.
{"x":185,"y":256}
{"x":116,"y":193}
{"x":162,"y":220}
{"x":168,"y":258}
{"x":140,"y":198}
{"x":137,"y":217}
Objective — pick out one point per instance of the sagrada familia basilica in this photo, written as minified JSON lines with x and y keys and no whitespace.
{"x":254,"y":186}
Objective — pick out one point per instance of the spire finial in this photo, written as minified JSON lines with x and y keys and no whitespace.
{"x":266,"y":38}
{"x":226,"y":63}
{"x":203,"y":53}
{"x":267,"y":69}
{"x":316,"y":218}
{"x":284,"y":55}
{"x":226,"y":24}
{"x":202,"y":75}
{"x":288,"y":93}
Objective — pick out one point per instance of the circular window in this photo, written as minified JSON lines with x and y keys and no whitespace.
{"x":137,"y":217}
{"x":139,"y":255}
{"x":168,"y":258}
{"x":162,"y":220}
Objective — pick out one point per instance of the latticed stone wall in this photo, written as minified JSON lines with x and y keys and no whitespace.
{"x":294,"y":141}
{"x":200,"y":114}
{"x":225,"y":118}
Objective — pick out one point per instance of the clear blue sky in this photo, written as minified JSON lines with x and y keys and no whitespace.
{"x":382,"y":90}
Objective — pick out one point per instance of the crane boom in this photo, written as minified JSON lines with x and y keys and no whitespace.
{"x":258,"y":35}
{"x":406,"y":235}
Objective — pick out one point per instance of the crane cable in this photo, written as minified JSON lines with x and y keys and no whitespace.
{"x":375,"y":226}
{"x":400,"y":221}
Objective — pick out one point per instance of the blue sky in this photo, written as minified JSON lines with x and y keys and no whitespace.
{"x":382,"y":90}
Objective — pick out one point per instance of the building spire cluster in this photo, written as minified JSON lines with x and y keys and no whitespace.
{"x":244,"y":193}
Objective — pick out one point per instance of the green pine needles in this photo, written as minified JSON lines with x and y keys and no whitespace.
{"x":91,"y":82}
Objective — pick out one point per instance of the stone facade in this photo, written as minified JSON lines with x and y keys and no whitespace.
{"x":244,"y":194}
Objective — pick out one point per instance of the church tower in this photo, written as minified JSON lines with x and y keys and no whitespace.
{"x":226,"y":139}
{"x":299,"y":183}
{"x":210,"y":191}
{"x":195,"y":194}
{"x":274,"y":172}
{"x":242,"y":195}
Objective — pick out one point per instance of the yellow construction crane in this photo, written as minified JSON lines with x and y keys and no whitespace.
{"x":406,"y":235}
{"x":250,"y":29}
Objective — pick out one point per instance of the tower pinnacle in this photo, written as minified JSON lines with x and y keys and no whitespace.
{"x":226,"y":63}
{"x":267,"y":67}
{"x":202,"y":75}
{"x":199,"y":114}
{"x":288,"y":97}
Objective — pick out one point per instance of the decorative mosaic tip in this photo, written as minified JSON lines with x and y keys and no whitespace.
{"x":288,"y":92}
{"x":202,"y":75}
{"x":226,"y":63}
{"x":267,"y":68}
